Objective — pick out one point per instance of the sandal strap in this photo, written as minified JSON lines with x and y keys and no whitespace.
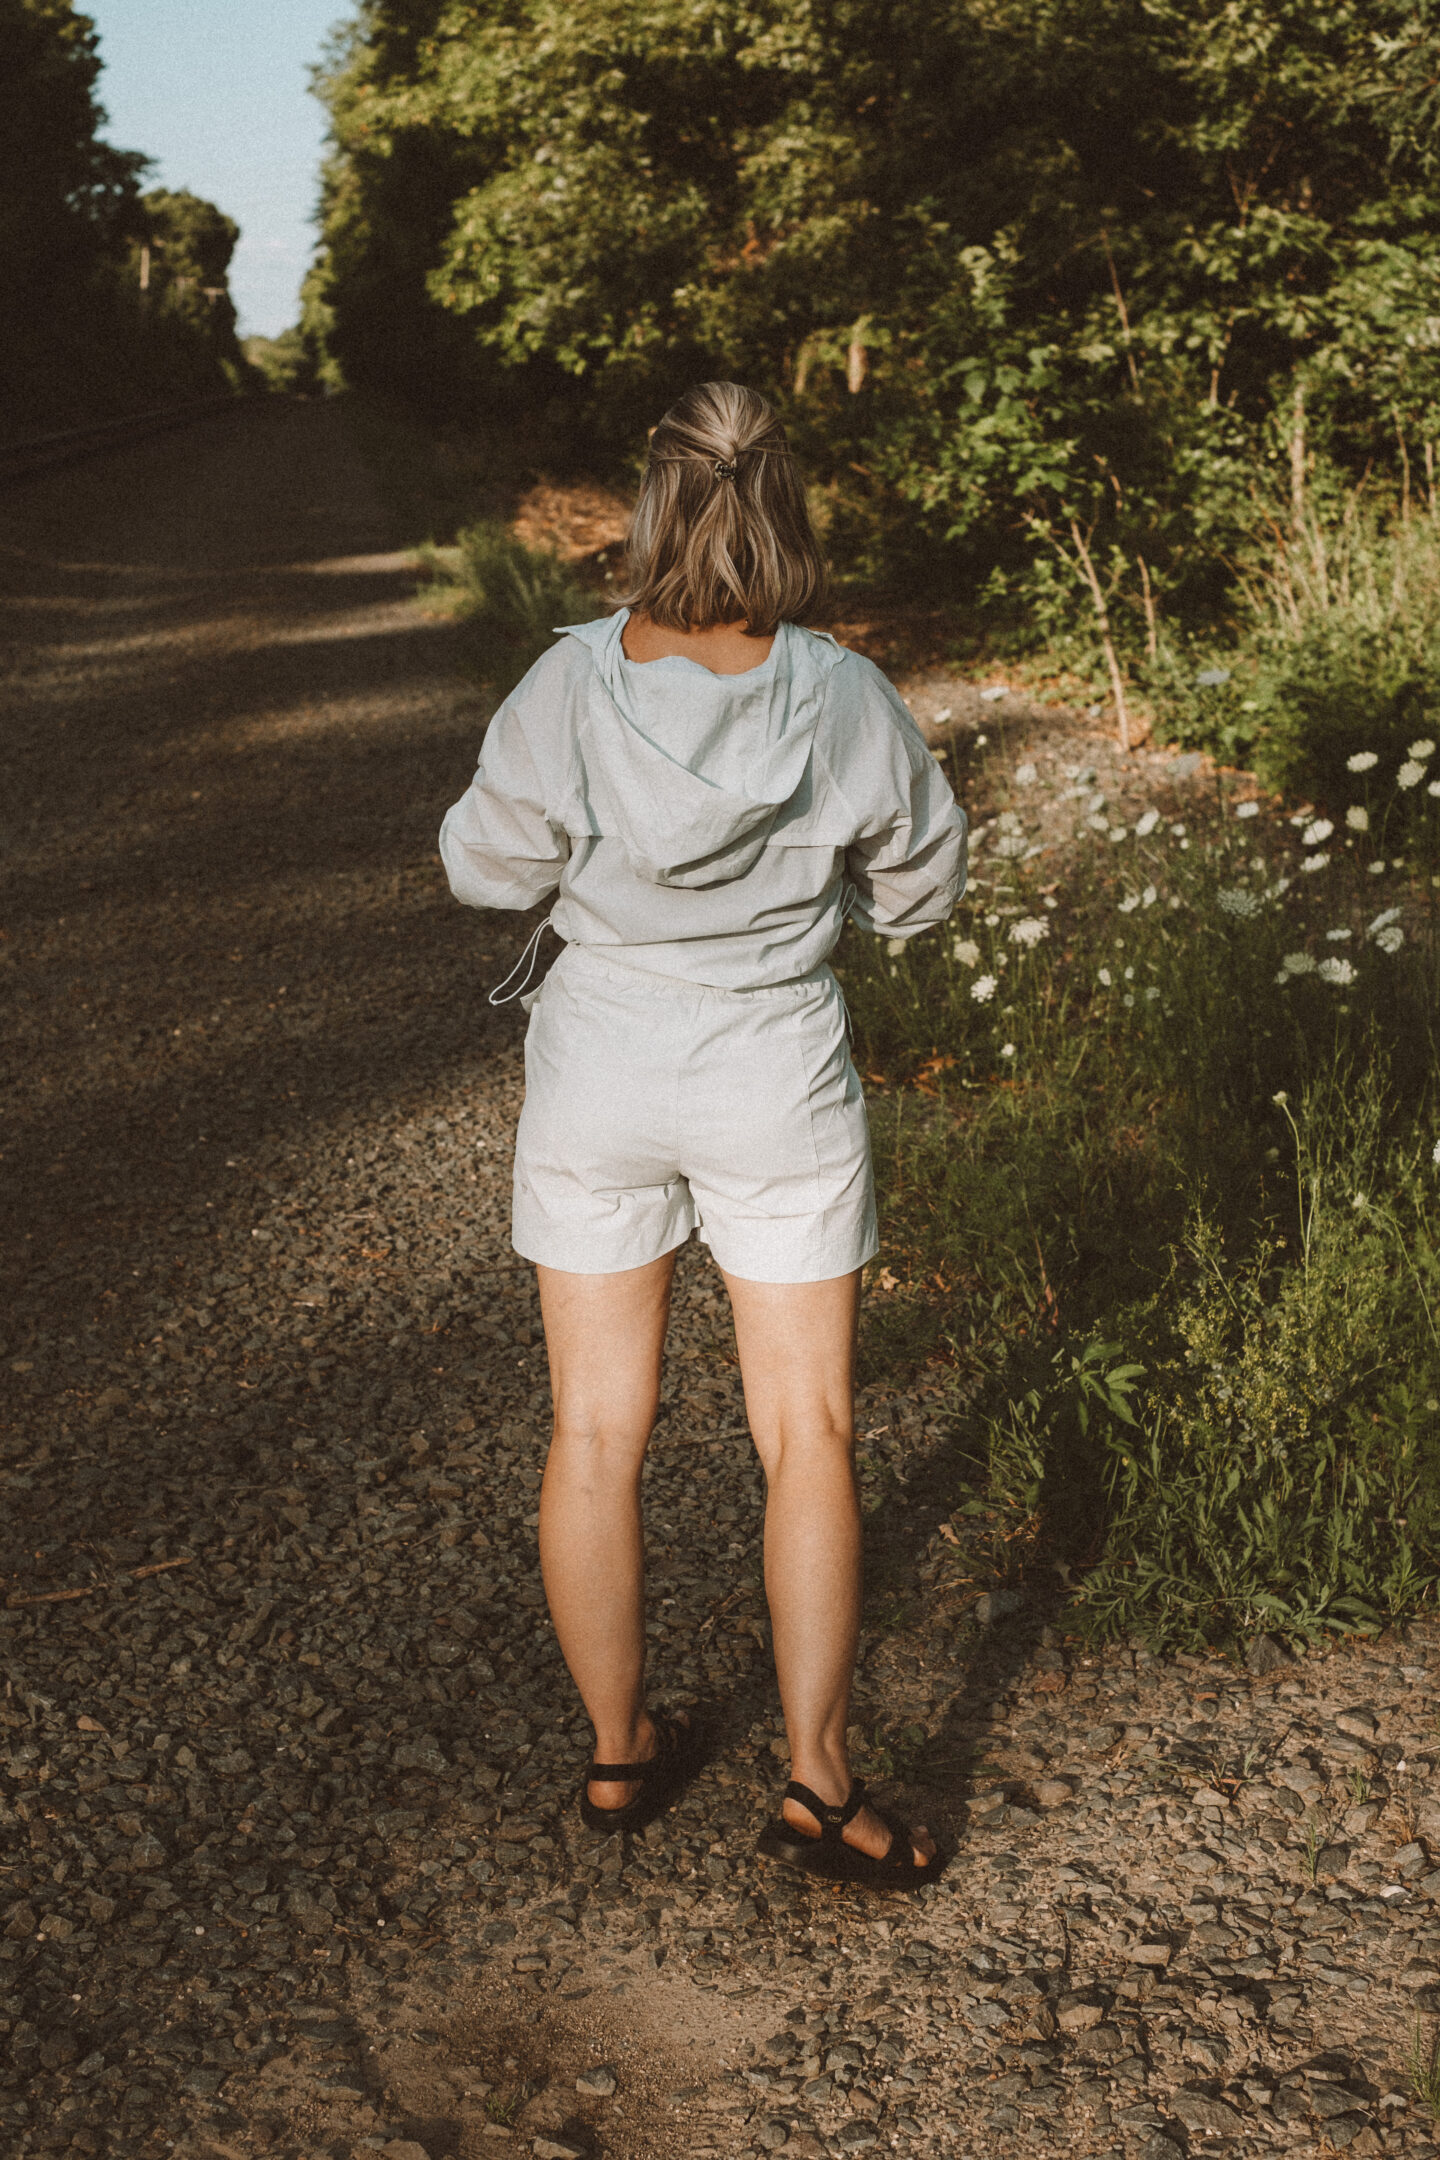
{"x":630,"y":1773}
{"x":832,"y":1820}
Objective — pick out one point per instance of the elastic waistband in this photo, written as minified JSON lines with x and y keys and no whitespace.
{"x":594,"y":963}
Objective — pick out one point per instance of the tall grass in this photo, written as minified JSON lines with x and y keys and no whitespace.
{"x":1336,"y":652}
{"x":1158,"y":1153}
{"x":508,"y":598}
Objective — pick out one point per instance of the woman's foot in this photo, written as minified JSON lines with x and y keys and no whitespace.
{"x":865,"y":1831}
{"x":663,"y":1744}
{"x":605,"y":1792}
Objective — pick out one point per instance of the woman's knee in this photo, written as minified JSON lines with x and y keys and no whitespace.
{"x":807,"y":1446}
{"x":604,"y":1452}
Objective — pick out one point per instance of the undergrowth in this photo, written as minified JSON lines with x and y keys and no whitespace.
{"x":508,"y":598}
{"x":1157,"y":1152}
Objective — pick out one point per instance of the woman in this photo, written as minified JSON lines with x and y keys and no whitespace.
{"x":710,"y":788}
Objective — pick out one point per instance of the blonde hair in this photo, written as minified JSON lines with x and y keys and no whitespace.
{"x":721,"y":531}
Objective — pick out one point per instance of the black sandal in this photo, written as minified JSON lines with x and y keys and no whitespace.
{"x":829,"y":1855}
{"x":659,"y":1779}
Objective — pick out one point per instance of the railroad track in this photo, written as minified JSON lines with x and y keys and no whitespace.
{"x":64,"y":446}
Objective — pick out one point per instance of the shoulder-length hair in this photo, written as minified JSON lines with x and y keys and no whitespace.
{"x":721,"y":531}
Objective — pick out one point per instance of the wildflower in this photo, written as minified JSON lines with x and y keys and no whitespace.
{"x":1435,"y":1153}
{"x":1280,"y":1098}
{"x":1129,"y":904}
{"x":1357,"y":817}
{"x":1386,"y":916}
{"x":1410,"y":774}
{"x":1177,"y":832}
{"x":1422,"y":749}
{"x":1314,"y":862}
{"x":1281,"y":885}
{"x":1390,"y":940}
{"x":1130,"y":974}
{"x":1010,"y":821}
{"x":1007,"y":1050}
{"x":894,"y":945}
{"x":1298,"y":963}
{"x":1029,"y":931}
{"x":1146,"y":823}
{"x":1247,"y":809}
{"x":1336,"y":971}
{"x":1210,"y":678}
{"x":1119,"y":832}
{"x":1314,"y":834}
{"x":966,"y":951}
{"x":1434,"y":788}
{"x":1362,"y":761}
{"x":1149,"y":896}
{"x":1010,"y":845}
{"x":1234,"y":900}
{"x":1026,"y":775}
{"x":983,"y":989}
{"x":1152,"y":993}
{"x":1377,"y":866}
{"x":1105,"y":978}
{"x":1360,"y":1201}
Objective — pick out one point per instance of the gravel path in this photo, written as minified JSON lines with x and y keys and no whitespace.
{"x":287,"y":1755}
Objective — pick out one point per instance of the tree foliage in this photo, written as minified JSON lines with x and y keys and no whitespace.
{"x":81,"y":338}
{"x":1046,"y":279}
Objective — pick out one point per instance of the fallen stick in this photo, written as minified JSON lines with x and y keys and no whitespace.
{"x":65,"y":1597}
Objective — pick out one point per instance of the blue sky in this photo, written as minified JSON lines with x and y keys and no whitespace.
{"x":216,"y":91}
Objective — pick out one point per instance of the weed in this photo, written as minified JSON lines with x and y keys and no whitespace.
{"x":1425,"y":2070}
{"x":1359,"y":1786}
{"x":508,"y":598}
{"x":1314,"y":1846}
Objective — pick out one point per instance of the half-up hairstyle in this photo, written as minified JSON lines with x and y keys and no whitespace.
{"x":721,"y":531}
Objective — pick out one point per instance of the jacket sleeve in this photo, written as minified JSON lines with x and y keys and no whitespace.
{"x":498,"y":844}
{"x":908,"y":867}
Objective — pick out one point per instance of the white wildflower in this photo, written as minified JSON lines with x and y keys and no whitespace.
{"x":1010,"y":821}
{"x":1026,"y":775}
{"x":1007,"y":1049}
{"x":1129,"y":904}
{"x":1410,"y":774}
{"x":1177,"y":832}
{"x":1362,"y":761}
{"x":1234,"y":900}
{"x":1010,"y":846}
{"x":1334,"y":935}
{"x":1149,"y":896}
{"x":1357,"y":817}
{"x":1119,"y":832}
{"x":1299,"y":963}
{"x":1105,"y":979}
{"x":1314,"y":862}
{"x":983,"y":989}
{"x":966,"y":951}
{"x":1146,"y":824}
{"x":1377,"y":867}
{"x":1314,"y":834}
{"x":1281,"y":885}
{"x":894,"y":945}
{"x":1390,"y":940}
{"x":1422,"y":749}
{"x":1386,"y":915}
{"x":1247,"y":809}
{"x":1280,"y":1098}
{"x":1029,"y":930}
{"x":1152,"y":993}
{"x":1434,"y":788}
{"x":1435,"y":1152}
{"x":1130,"y":974}
{"x":1336,"y":971}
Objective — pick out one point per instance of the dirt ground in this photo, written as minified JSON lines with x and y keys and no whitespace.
{"x":288,"y":1758}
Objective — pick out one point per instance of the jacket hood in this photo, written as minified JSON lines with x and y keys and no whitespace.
{"x":689,"y":769}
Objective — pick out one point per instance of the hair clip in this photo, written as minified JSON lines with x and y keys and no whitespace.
{"x":724,"y":471}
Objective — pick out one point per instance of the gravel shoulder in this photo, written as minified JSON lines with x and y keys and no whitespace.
{"x":289,"y":1860}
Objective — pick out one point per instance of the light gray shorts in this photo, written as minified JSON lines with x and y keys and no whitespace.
{"x":654,"y":1107}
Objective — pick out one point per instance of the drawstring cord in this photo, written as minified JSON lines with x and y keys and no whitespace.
{"x":502,"y":994}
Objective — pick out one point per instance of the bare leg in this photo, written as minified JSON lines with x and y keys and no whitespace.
{"x":604,"y":1335}
{"x":797,"y":1355}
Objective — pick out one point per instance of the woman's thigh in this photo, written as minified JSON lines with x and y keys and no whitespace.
{"x":797,"y":1360}
{"x":605,"y":1337}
